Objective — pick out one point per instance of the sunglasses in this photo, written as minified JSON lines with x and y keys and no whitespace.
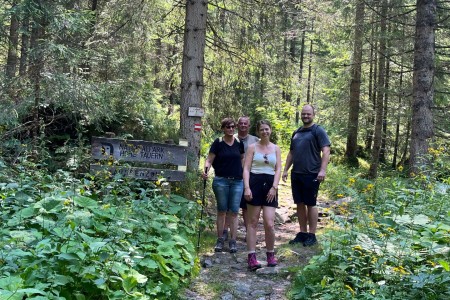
{"x":229,"y":126}
{"x":266,"y":160}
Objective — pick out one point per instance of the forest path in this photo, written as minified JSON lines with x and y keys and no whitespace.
{"x":224,"y":276}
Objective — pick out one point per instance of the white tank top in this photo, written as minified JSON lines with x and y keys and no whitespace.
{"x":264,"y":163}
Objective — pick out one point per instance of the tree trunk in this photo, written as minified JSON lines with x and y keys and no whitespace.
{"x":300,"y":77}
{"x":355,"y":87}
{"x":423,"y":89}
{"x":380,"y":94}
{"x":11,"y":61}
{"x":398,"y":115}
{"x":24,"y":46}
{"x":308,"y":91}
{"x":37,"y":63}
{"x":372,"y":83}
{"x":192,"y":75}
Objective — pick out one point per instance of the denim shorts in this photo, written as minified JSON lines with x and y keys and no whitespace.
{"x":228,"y":193}
{"x":305,"y":188}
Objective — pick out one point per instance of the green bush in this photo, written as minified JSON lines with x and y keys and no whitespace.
{"x":390,"y":241}
{"x":68,"y":238}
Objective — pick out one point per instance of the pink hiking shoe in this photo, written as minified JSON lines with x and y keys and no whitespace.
{"x":271,"y":260}
{"x":253,"y":264}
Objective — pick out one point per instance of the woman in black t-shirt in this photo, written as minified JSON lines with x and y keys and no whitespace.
{"x":225,"y":156}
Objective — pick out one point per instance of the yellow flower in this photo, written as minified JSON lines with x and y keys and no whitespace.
{"x":349,"y":288}
{"x":357,"y":248}
{"x":374,"y":224}
{"x":340,"y":195}
{"x":369,"y":186}
{"x":400,"y":168}
{"x":400,"y":270}
{"x":390,"y":229}
{"x":67,"y":202}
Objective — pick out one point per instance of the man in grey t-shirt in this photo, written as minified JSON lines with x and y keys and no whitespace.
{"x":308,"y":171}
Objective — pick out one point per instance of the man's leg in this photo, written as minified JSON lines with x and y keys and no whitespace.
{"x":313,"y":217}
{"x":302,"y":215}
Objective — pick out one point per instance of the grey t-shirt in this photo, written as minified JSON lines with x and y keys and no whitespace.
{"x":248,"y":140}
{"x":306,"y":147}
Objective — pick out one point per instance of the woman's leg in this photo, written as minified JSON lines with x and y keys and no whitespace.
{"x":253,"y":213}
{"x":234,"y":201}
{"x":269,"y":227}
{"x":221,"y":188}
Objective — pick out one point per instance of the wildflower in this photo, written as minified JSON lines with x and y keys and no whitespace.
{"x":369,"y":186}
{"x":357,"y":248}
{"x":374,"y":224}
{"x":400,"y":168}
{"x":351,"y":181}
{"x":400,"y":270}
{"x":390,"y":229}
{"x":340,"y":195}
{"x":67,"y":202}
{"x":350,"y":289}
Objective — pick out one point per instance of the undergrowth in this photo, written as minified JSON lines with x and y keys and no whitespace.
{"x":390,"y":238}
{"x":92,"y":237}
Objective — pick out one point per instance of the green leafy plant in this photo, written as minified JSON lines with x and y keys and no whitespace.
{"x":390,"y":240}
{"x":94,"y":237}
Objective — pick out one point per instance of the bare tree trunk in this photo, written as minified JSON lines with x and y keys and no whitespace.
{"x":423,"y":89}
{"x":300,"y":76}
{"x":192,"y":85}
{"x":372,"y":90}
{"x":398,"y":116}
{"x":380,"y":94}
{"x":355,"y":87}
{"x":308,"y":92}
{"x":37,"y":64}
{"x":24,"y":46}
{"x":11,"y":61}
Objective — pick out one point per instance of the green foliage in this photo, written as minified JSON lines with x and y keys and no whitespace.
{"x":68,"y":238}
{"x":390,"y":240}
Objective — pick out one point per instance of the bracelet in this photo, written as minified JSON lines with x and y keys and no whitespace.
{"x":275,"y":187}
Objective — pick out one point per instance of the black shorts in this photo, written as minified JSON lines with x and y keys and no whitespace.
{"x":243,"y":204}
{"x":305,"y":188}
{"x":260,"y":185}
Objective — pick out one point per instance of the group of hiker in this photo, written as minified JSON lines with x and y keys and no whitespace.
{"x":247,"y":172}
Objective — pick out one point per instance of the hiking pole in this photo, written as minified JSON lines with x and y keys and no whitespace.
{"x":203,"y":205}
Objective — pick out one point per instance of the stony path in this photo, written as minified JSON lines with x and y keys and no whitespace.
{"x":224,"y":276}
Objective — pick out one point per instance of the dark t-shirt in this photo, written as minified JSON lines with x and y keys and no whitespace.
{"x":227,"y":162}
{"x":306,"y":146}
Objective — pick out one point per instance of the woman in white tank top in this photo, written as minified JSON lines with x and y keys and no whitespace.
{"x":262,"y":171}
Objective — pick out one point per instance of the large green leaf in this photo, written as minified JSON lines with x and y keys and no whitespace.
{"x":26,"y":212}
{"x":8,"y":295}
{"x":85,"y":202}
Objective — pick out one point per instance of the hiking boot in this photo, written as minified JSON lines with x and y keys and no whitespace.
{"x":253,"y":264}
{"x":299,"y":238}
{"x":271,"y":260}
{"x":310,"y":240}
{"x":232,"y":245}
{"x":225,"y":235}
{"x":219,"y":245}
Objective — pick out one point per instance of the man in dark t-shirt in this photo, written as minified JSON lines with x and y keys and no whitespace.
{"x":308,"y":171}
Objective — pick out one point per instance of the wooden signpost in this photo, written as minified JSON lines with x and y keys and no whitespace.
{"x":142,"y":152}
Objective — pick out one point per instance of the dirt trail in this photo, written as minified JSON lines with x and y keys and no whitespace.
{"x":225,"y":276}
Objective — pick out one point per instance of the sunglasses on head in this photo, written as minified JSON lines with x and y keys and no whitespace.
{"x":266,"y":160}
{"x":230,"y":126}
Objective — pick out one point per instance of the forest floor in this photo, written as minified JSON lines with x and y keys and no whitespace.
{"x":224,"y":276}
